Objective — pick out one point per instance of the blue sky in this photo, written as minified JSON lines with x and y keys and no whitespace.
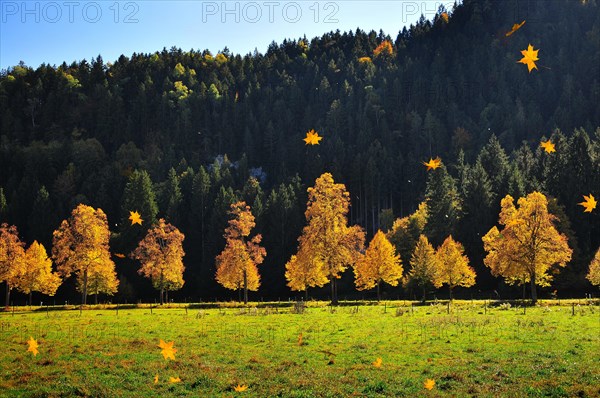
{"x":51,"y":32}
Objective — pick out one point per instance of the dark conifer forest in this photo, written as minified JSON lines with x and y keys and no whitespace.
{"x":181,"y":135}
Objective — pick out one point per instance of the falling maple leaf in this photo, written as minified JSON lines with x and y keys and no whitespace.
{"x":33,"y":346}
{"x":156,"y":378}
{"x":240,"y":388}
{"x":529,"y":57}
{"x":378,"y":362}
{"x":589,"y":203}
{"x":433,"y":163}
{"x":312,"y":138}
{"x":135,"y":217}
{"x":445,"y":17}
{"x":174,"y":380}
{"x":429,"y":384}
{"x":119,"y":255}
{"x":548,"y":146}
{"x":514,"y":28}
{"x":167,"y":349}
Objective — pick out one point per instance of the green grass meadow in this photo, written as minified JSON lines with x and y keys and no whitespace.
{"x":469,"y":349}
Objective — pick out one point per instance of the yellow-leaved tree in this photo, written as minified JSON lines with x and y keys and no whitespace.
{"x":36,"y":274}
{"x":453,"y":266}
{"x":405,"y":232}
{"x":237,"y":265}
{"x":528,"y":245}
{"x":161,"y":256}
{"x":594,"y":275}
{"x":12,"y":255}
{"x":327,"y":245}
{"x":80,"y":247}
{"x":423,"y":265}
{"x":380,"y":263}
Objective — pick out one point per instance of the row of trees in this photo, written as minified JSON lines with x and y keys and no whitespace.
{"x":529,"y":249}
{"x":81,"y":247}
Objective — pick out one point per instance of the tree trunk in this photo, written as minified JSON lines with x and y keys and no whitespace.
{"x":167,"y":296}
{"x":450,"y":288}
{"x":96,"y":298}
{"x":7,"y":302}
{"x":30,"y":298}
{"x":306,"y":294}
{"x":245,"y":288}
{"x":424,"y":293}
{"x":334,"y":300}
{"x":84,"y":292}
{"x":378,"y":291}
{"x":533,"y":291}
{"x":162,"y":290}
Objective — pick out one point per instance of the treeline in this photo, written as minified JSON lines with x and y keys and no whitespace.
{"x":88,"y":132}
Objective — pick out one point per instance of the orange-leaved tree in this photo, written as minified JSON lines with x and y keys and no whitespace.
{"x":12,"y":255}
{"x":36,"y":274}
{"x":237,"y":265}
{"x":380,"y":263}
{"x":161,"y":256}
{"x":594,"y":274}
{"x":80,"y":247}
{"x":528,"y":245}
{"x":423,"y":265}
{"x":453,"y":266}
{"x":327,"y":245}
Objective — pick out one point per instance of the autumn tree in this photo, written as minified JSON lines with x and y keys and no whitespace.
{"x":80,"y":247}
{"x":237,"y":264}
{"x":36,"y":274}
{"x":12,"y":255}
{"x":594,"y":273}
{"x":380,"y":263}
{"x":424,"y":265}
{"x":405,"y":232}
{"x":327,"y":245}
{"x":453,"y":266}
{"x":528,"y":245}
{"x":161,"y":256}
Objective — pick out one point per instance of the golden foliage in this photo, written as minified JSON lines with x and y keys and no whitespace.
{"x":589,"y":203}
{"x":161,"y":256}
{"x":548,"y":146}
{"x":380,"y":263}
{"x":433,"y":163}
{"x":594,"y":274}
{"x":12,"y":255}
{"x":384,"y":48}
{"x":514,"y":28}
{"x":453,"y":266}
{"x":424,"y":263}
{"x":327,"y":245}
{"x":528,"y":245}
{"x":36,"y":275}
{"x":529,"y":57}
{"x":80,"y":246}
{"x":32,"y":346}
{"x":312,"y":138}
{"x":237,"y":263}
{"x":429,"y":384}
{"x":135,"y":218}
{"x":167,"y":350}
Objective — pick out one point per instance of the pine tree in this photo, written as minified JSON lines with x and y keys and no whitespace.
{"x":443,"y":205}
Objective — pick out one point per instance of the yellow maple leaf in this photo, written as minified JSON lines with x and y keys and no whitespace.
{"x":548,"y":146}
{"x":33,"y":346}
{"x":240,"y":388}
{"x":378,"y":362}
{"x":135,"y":218}
{"x":167,"y":349}
{"x":514,"y":28}
{"x":529,"y":57}
{"x":589,"y":203}
{"x":174,"y":380}
{"x":156,"y":378}
{"x":433,"y":163}
{"x":312,"y":138}
{"x":429,"y":384}
{"x":119,"y":255}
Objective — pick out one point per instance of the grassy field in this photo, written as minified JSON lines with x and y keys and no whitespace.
{"x":474,"y":350}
